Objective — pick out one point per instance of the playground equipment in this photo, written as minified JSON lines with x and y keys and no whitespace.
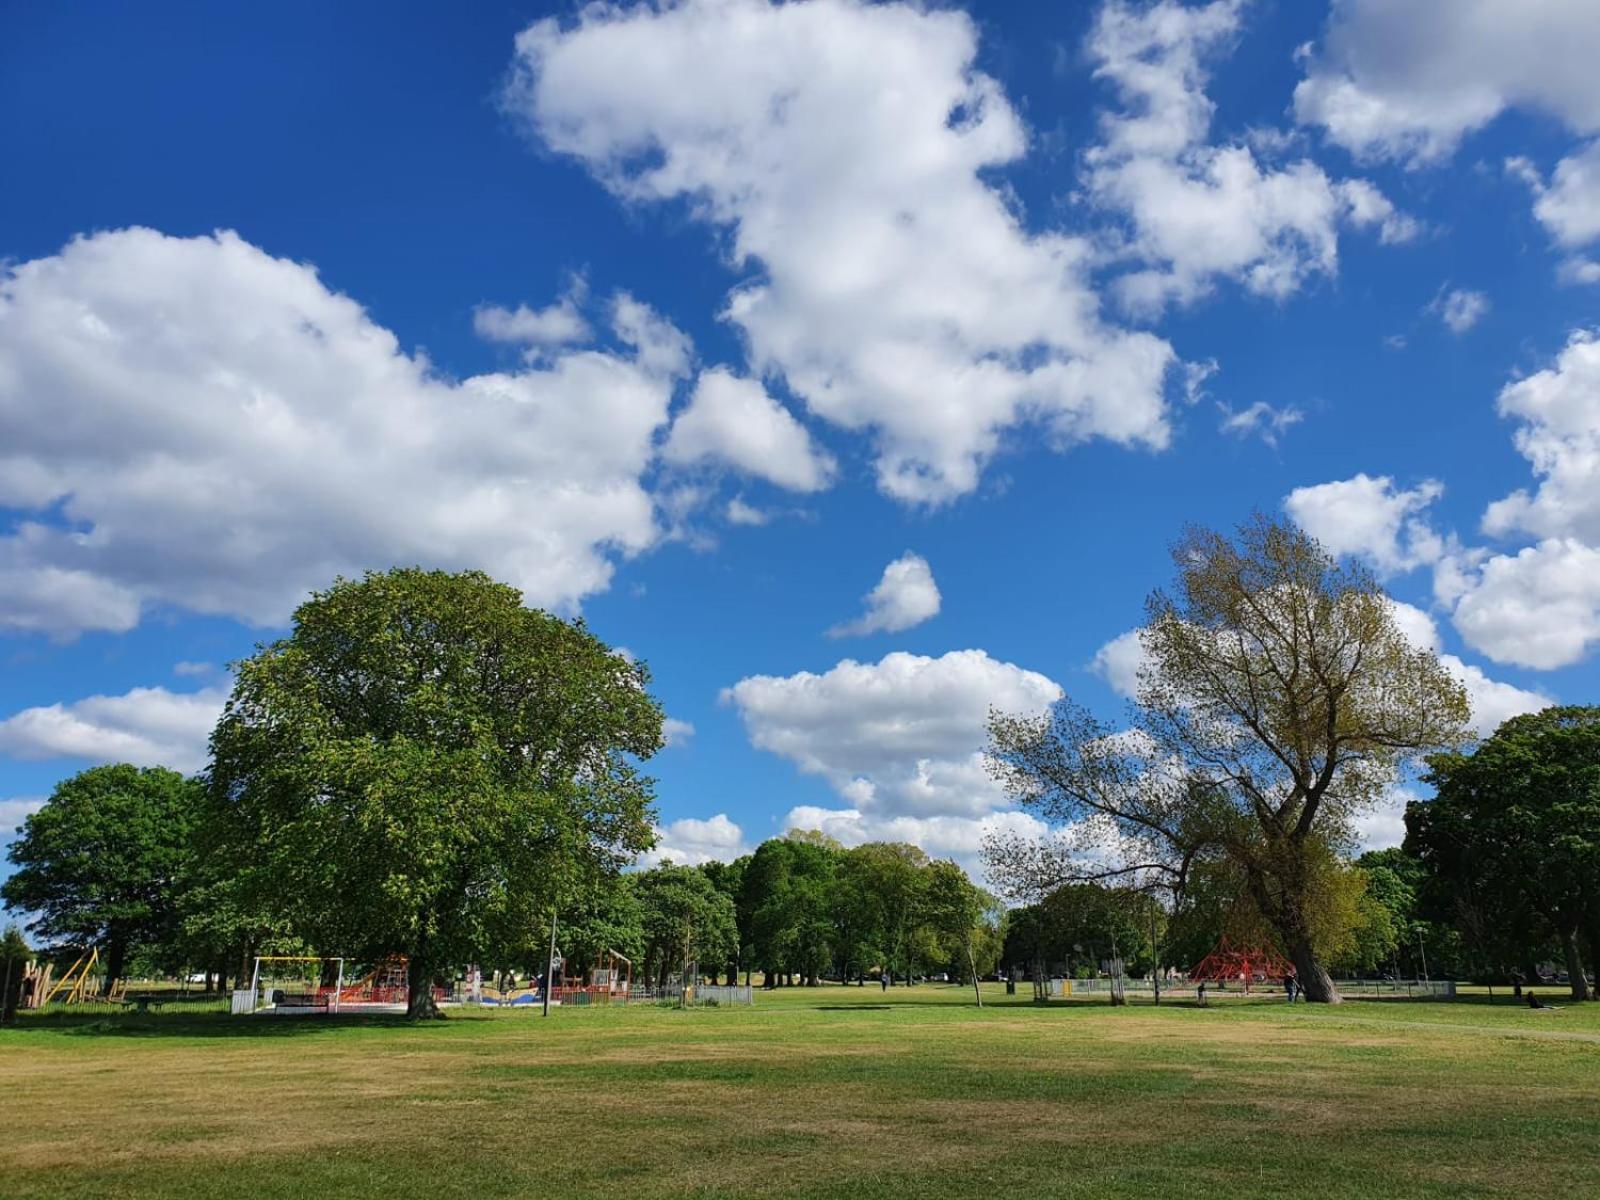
{"x":1232,"y":964}
{"x":76,"y":981}
{"x":299,"y":984}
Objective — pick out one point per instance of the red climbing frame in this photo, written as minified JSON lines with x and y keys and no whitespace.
{"x":1231,"y":964}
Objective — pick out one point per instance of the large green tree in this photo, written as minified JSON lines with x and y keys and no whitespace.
{"x":1517,"y":824}
{"x":426,"y":767}
{"x":99,"y":863}
{"x":1278,"y":700}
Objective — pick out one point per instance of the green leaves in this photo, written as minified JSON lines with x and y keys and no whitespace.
{"x":424,"y":766}
{"x":99,"y":862}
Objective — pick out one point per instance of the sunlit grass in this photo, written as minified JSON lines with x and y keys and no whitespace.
{"x":824,"y":1092}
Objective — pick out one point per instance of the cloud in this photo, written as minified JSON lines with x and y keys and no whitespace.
{"x":1493,"y":701}
{"x":735,"y":423}
{"x":540,"y":330}
{"x":1119,"y":662}
{"x":1196,"y":212}
{"x":900,"y":737}
{"x":1559,"y":435}
{"x":691,"y":842}
{"x":885,"y":279}
{"x":14,"y":810}
{"x":676,"y":732}
{"x":1409,"y":81}
{"x":193,"y":423}
{"x":740,"y":513}
{"x":1383,"y":827}
{"x":190,"y":670}
{"x":1569,"y":205}
{"x":147,"y":726}
{"x":905,"y":596}
{"x":1370,"y":517}
{"x":956,"y":837}
{"x":1262,"y":420}
{"x":1539,"y":607}
{"x":1458,"y":308}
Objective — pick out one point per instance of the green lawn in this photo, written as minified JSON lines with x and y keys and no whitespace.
{"x":825,"y":1092}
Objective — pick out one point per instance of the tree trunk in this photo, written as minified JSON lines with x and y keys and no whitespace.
{"x":972,"y":965}
{"x":116,"y":956}
{"x":419,"y":990}
{"x":1315,"y":982}
{"x":1580,"y":981}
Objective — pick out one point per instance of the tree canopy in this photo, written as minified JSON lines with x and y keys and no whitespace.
{"x":424,"y":766}
{"x":1514,"y":829}
{"x":99,"y":862}
{"x":1277,"y":702}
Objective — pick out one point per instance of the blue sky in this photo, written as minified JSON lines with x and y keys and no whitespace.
{"x":697,"y":319}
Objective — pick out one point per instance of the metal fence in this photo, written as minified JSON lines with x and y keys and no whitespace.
{"x":718,"y":993}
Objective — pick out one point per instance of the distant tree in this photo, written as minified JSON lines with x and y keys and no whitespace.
{"x":605,"y":917}
{"x":426,"y":767}
{"x":789,"y":886}
{"x":684,"y":919}
{"x":728,"y":878}
{"x":14,"y":955}
{"x":1516,"y":824}
{"x":953,"y":909}
{"x":99,"y":862}
{"x":884,"y":882}
{"x":1278,"y":701}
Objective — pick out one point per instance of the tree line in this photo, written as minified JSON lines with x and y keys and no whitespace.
{"x":119,"y":858}
{"x":425,"y":767}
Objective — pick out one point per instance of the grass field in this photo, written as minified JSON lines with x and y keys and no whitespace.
{"x":825,"y":1092}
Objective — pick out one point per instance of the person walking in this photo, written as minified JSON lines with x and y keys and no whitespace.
{"x":1289,"y":985}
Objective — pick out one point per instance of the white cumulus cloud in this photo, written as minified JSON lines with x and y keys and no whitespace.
{"x":906,"y":595}
{"x":1539,"y":607}
{"x":1559,"y":434}
{"x":884,"y":278}
{"x":900,"y":737}
{"x":1370,"y":517}
{"x":734,"y":422}
{"x":1410,"y":80}
{"x":691,"y":842}
{"x":1197,"y":212}
{"x":955,"y":837}
{"x":14,"y":810}
{"x":1459,"y":308}
{"x":1493,"y":701}
{"x":1261,"y":420}
{"x":190,"y":422}
{"x":147,"y":726}
{"x":1119,"y":662}
{"x":540,"y":330}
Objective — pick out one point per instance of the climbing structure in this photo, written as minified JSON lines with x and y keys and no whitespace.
{"x":1233,"y":964}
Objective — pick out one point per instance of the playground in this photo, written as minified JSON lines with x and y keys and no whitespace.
{"x":814,"y":1092}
